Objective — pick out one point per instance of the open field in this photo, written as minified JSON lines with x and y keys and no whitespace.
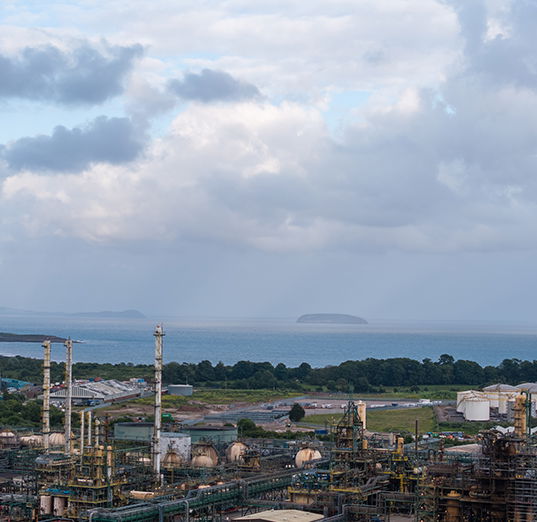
{"x":386,"y":420}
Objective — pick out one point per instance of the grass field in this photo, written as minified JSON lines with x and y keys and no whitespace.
{"x":219,"y":396}
{"x":386,"y":420}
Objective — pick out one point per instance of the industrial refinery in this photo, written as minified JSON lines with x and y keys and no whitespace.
{"x":146,"y":471}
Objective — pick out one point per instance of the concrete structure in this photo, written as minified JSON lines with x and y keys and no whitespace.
{"x":179,"y":443}
{"x":180,"y":389}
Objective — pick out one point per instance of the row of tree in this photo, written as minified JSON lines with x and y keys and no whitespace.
{"x":361,"y":376}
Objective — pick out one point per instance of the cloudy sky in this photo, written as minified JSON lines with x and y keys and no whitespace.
{"x":270,"y":158}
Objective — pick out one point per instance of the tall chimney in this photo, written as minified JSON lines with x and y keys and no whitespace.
{"x":159,"y":334}
{"x":46,"y":395}
{"x":68,"y":394}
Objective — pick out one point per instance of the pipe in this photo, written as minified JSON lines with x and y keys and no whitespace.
{"x":69,"y":393}
{"x":46,"y":395}
{"x":82,"y":425}
{"x":159,"y":334}
{"x":89,"y":428}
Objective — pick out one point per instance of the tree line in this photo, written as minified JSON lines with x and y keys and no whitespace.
{"x":366,"y":375}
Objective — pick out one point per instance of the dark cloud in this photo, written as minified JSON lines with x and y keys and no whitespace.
{"x":210,"y":85}
{"x":84,"y":76}
{"x":111,"y":140}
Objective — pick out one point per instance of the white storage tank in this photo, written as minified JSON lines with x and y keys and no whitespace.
{"x":59,"y":506}
{"x":477,"y":409}
{"x":45,"y":505}
{"x":461,"y":396}
{"x":180,"y":389}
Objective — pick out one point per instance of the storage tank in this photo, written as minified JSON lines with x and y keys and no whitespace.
{"x":477,"y":409}
{"x":235,"y":451}
{"x":203,"y":461}
{"x":306,"y":455}
{"x":32,"y":441}
{"x":461,"y":396}
{"x":8,"y":439}
{"x":172,"y":460}
{"x":204,"y":455}
{"x":59,"y":506}
{"x":56,"y":439}
{"x":45,"y":505}
{"x":180,"y":389}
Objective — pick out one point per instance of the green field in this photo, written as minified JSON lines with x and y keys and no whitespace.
{"x":220,"y":396}
{"x":399,"y":420}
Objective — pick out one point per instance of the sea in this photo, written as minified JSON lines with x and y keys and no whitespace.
{"x":283,"y":340}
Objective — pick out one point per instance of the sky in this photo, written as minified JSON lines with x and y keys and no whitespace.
{"x":271,"y":158}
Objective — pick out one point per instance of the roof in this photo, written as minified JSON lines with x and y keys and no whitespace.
{"x":500,"y":387}
{"x":283,"y":515}
{"x":465,"y":448}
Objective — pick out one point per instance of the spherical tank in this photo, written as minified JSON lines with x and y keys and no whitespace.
{"x":56,"y":439}
{"x":32,"y":440}
{"x":235,"y":451}
{"x":205,"y":449}
{"x":172,"y":460}
{"x":477,"y":410}
{"x":306,"y":455}
{"x":203,"y":461}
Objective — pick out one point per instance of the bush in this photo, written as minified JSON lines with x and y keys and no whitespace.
{"x":297,"y":413}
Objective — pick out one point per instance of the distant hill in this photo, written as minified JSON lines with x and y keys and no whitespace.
{"x":331,"y":319}
{"x":123,"y":314}
{"x":30,"y":338}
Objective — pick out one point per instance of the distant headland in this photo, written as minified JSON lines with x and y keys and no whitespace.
{"x":331,"y":319}
{"x":30,"y":338}
{"x":107,"y":314}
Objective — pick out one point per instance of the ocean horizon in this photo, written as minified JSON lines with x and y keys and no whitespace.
{"x":273,"y":339}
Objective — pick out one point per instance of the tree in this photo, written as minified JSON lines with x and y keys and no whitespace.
{"x":297,"y":412}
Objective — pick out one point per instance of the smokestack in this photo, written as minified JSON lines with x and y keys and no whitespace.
{"x":68,"y":394}
{"x":159,"y":334}
{"x":46,"y":395}
{"x":89,"y":428}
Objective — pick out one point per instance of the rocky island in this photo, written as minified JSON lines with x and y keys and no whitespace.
{"x":330,"y":319}
{"x":29,"y":338}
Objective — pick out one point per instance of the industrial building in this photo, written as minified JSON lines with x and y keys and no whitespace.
{"x":139,"y":472}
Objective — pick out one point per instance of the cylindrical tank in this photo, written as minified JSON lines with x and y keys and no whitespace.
{"x":45,"y":505}
{"x":477,"y":409}
{"x":502,"y":403}
{"x":59,"y":506}
{"x":235,"y":451}
{"x":172,"y":460}
{"x":494,"y":398}
{"x":306,"y":455}
{"x":461,"y":399}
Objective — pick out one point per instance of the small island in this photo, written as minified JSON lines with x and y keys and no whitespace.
{"x":30,"y":338}
{"x":330,"y":319}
